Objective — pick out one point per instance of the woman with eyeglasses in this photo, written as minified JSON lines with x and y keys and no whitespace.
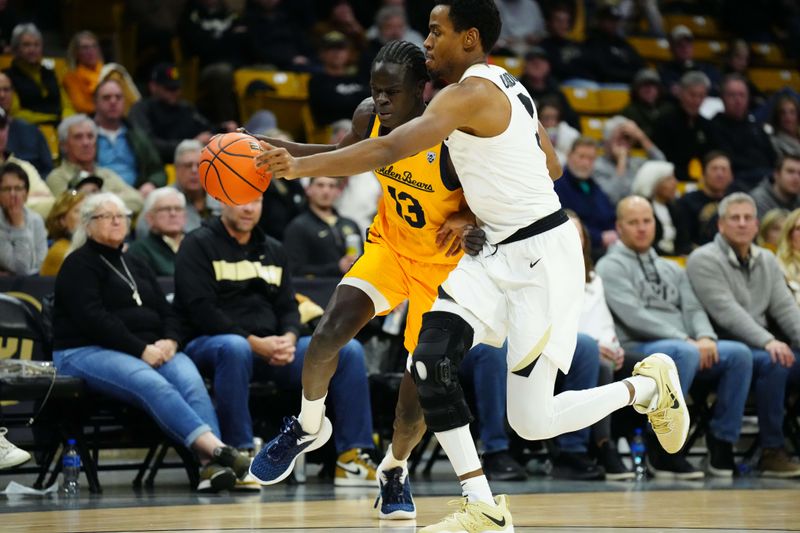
{"x":165,"y":211}
{"x":23,"y":239}
{"x":113,"y":327}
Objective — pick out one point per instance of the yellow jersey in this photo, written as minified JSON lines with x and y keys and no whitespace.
{"x":418,"y":196}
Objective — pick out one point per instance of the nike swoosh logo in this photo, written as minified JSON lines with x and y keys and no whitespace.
{"x":536,"y":263}
{"x":675,"y":404}
{"x":500,"y":523}
{"x":355,"y":472}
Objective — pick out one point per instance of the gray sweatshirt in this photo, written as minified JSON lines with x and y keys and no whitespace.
{"x":651,"y":298}
{"x":22,"y":250}
{"x":740,"y":298}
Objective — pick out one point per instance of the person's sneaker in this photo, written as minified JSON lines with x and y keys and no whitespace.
{"x":276,"y":459}
{"x":609,"y":459}
{"x":395,"y":498}
{"x":667,"y":410}
{"x":720,"y":457}
{"x":474,"y":517}
{"x":234,"y":459}
{"x":10,"y":455}
{"x":500,"y":466}
{"x":215,"y":478}
{"x":355,"y":468}
{"x":775,"y":462}
{"x":576,"y":466}
{"x":672,"y":466}
{"x":247,"y":484}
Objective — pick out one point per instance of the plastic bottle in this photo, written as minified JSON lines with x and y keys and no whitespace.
{"x":71,"y":468}
{"x":638,"y":455}
{"x":352,"y":242}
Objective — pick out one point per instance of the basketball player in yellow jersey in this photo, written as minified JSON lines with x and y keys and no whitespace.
{"x":411,"y":247}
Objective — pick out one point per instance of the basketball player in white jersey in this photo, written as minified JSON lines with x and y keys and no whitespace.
{"x":526,"y":285}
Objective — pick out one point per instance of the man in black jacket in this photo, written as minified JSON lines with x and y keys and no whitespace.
{"x":233,"y":285}
{"x":320,"y":242}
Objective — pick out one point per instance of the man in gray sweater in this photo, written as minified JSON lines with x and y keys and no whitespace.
{"x":742,"y":288}
{"x":656,"y":310}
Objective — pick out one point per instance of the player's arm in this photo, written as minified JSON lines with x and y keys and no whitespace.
{"x":553,"y":164}
{"x":444,"y":114}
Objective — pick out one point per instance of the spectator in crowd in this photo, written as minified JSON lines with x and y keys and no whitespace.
{"x":681,"y":43}
{"x":165,"y":211}
{"x":114,"y":329}
{"x":274,"y":38}
{"x":789,"y":252}
{"x":10,"y":455}
{"x":608,"y":56}
{"x":199,"y":206}
{"x":785,"y":122}
{"x":335,"y":92}
{"x":391,"y":24}
{"x":122,"y":147}
{"x":24,"y":139}
{"x":656,"y":310}
{"x":540,"y":84}
{"x":742,"y":287}
{"x":682,"y":133}
{"x":342,"y":18}
{"x":245,"y":325}
{"x":578,"y":191}
{"x":522,"y":25}
{"x":769,"y":229}
{"x":565,"y":54}
{"x":561,"y":134}
{"x":698,"y":209}
{"x":214,"y":34}
{"x":283,"y":202}
{"x":61,"y":224}
{"x":646,"y":105}
{"x":165,"y":118}
{"x":737,"y":61}
{"x":23,"y":240}
{"x":656,"y":182}
{"x":319,"y":242}
{"x":737,"y":133}
{"x":615,"y":169}
{"x":783,"y":191}
{"x":40,"y":199}
{"x":77,"y":136}
{"x":39,"y":97}
{"x":596,"y":322}
{"x":85,"y":62}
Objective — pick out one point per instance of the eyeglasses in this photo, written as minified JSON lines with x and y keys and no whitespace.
{"x":105,"y":217}
{"x":188,"y":164}
{"x":19,"y":189}
{"x":171,"y":209}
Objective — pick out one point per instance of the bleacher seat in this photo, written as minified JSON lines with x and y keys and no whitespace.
{"x":710,"y":51}
{"x":284,"y":84}
{"x":514,"y":65}
{"x":767,"y":54}
{"x":701,"y":26}
{"x":597,"y":101}
{"x":651,"y":48}
{"x":772,"y":79}
{"x":592,"y":126}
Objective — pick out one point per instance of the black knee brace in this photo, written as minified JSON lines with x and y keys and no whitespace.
{"x":443,"y":341}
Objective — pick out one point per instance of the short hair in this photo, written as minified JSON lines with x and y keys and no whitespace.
{"x":729,"y":78}
{"x":407,"y":54}
{"x":784,"y":157}
{"x":480,"y":14}
{"x":712,"y":155}
{"x":105,"y":82}
{"x":694,"y":78}
{"x":74,"y":120}
{"x":88,"y":209}
{"x":159,"y":194}
{"x":387,"y":12}
{"x":187,"y":145}
{"x":732,"y":199}
{"x":18,"y":171}
{"x":583,"y":140}
{"x":63,"y":204}
{"x":20,"y":30}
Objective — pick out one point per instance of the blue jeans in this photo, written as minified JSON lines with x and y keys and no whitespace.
{"x":233,"y":365}
{"x":686,"y":357}
{"x":174,"y":394}
{"x":583,"y":374}
{"x":485,"y":368}
{"x":769,"y":384}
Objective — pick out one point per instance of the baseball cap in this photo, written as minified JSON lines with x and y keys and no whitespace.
{"x":3,"y":118}
{"x":681,"y":32}
{"x":536,"y":51}
{"x":84,"y":178}
{"x":166,"y":75}
{"x":646,"y":75}
{"x":333,"y":39}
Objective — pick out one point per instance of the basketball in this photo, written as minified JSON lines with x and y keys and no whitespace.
{"x":228,"y":171}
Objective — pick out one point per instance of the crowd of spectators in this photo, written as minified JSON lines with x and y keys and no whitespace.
{"x":665,"y":186}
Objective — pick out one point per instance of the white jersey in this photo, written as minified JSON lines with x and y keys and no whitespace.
{"x":504,"y":178}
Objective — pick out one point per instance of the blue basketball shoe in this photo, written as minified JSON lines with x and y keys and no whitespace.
{"x":395,"y":496}
{"x":276,"y":459}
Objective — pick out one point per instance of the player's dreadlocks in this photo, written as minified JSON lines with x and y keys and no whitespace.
{"x":404,"y":53}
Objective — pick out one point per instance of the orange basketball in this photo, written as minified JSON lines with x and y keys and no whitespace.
{"x":228,"y":171}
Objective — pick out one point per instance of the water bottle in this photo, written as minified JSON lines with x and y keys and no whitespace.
{"x":71,"y":468}
{"x":352,"y":242}
{"x":638,"y":452}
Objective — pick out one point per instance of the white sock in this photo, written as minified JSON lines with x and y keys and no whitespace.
{"x":644,"y":389}
{"x":476,"y":489}
{"x":311,"y":413}
{"x":390,"y":461}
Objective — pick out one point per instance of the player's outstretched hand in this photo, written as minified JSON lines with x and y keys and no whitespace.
{"x":277,"y":160}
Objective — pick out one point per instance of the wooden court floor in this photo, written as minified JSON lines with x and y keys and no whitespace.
{"x":673,"y":511}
